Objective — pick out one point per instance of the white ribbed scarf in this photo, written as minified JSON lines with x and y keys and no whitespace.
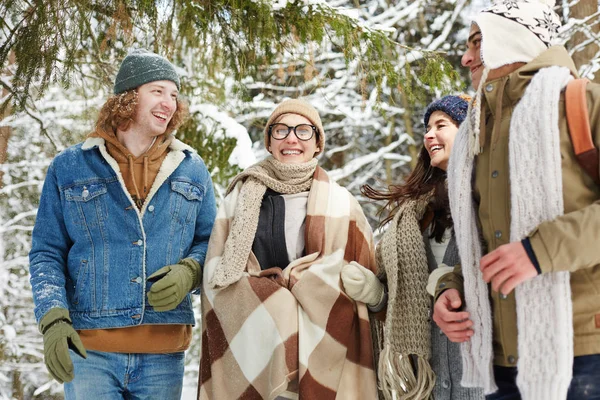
{"x":544,"y":309}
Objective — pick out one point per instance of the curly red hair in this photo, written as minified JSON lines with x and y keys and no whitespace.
{"x":119,"y":112}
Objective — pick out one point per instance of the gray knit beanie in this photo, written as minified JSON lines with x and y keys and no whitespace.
{"x":142,"y":66}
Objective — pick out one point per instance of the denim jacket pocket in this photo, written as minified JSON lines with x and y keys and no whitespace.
{"x":85,"y":192}
{"x":190,"y":191}
{"x":185,"y":201}
{"x":82,"y":287}
{"x":86,"y":203}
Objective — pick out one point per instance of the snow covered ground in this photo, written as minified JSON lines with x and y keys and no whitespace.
{"x":190,"y":385}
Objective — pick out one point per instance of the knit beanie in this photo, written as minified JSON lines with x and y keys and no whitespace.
{"x":142,"y":66}
{"x":300,"y":107}
{"x":516,"y":31}
{"x":454,"y":106}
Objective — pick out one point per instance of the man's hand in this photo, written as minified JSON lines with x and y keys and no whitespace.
{"x":173,"y":283}
{"x":455,"y":324}
{"x":506,"y":267}
{"x":59,"y":337}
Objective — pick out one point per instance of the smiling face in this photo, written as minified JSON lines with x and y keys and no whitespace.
{"x":472,"y":60}
{"x":157,"y":102}
{"x":472,"y":57}
{"x":292,"y":150}
{"x":441,"y":131}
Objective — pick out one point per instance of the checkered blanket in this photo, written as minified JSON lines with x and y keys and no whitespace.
{"x":294,"y":330}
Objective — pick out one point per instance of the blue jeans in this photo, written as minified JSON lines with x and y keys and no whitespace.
{"x":126,"y":376}
{"x":585,"y":384}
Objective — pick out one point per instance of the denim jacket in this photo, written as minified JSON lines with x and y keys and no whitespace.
{"x":92,"y":249}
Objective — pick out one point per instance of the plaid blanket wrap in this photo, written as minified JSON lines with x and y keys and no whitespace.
{"x":273,"y":329}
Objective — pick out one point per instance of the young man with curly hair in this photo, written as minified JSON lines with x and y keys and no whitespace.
{"x":118,"y":244}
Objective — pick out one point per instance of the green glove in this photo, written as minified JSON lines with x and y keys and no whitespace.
{"x":59,"y":336}
{"x":173,"y":283}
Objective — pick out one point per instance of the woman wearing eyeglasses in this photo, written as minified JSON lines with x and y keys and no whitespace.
{"x":276,"y":323}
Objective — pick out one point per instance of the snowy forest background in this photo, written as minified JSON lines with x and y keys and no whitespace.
{"x":369,"y":67}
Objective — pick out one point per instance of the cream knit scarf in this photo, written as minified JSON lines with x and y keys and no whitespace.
{"x":544,"y":309}
{"x":407,"y":329}
{"x":269,"y":173}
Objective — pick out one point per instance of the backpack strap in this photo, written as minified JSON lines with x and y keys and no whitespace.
{"x":579,"y":127}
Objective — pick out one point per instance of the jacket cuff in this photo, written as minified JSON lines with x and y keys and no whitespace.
{"x":53,"y":316}
{"x":450,"y":280}
{"x":531,"y":254}
{"x":382,"y":303}
{"x":541,"y":253}
{"x":195,"y":269}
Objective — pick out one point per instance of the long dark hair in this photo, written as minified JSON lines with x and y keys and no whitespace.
{"x":422,"y":180}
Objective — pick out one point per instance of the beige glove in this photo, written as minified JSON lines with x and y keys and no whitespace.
{"x":361,"y":284}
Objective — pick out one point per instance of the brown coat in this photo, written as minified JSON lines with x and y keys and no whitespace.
{"x":568,"y":243}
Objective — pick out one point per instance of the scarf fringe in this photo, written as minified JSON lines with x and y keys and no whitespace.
{"x":397,"y":377}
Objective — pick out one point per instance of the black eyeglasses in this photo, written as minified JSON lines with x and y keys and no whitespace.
{"x":303,"y":131}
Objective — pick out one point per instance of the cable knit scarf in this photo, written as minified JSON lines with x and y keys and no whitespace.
{"x":544,"y":309}
{"x":407,"y":330}
{"x":269,"y":173}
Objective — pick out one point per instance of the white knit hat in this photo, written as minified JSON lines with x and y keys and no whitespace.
{"x":516,"y":31}
{"x":511,"y":31}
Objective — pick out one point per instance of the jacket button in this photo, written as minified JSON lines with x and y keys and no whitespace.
{"x":498,"y":234}
{"x":495,"y":174}
{"x":150,"y":208}
{"x":511,"y":359}
{"x":503,"y":296}
{"x":85,"y":193}
{"x":137,"y":280}
{"x":489,"y":87}
{"x":442,"y":285}
{"x":139,"y":242}
{"x":136,"y":316}
{"x":445,"y":383}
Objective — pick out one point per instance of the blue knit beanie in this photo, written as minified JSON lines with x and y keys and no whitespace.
{"x":142,"y":66}
{"x":455,"y":106}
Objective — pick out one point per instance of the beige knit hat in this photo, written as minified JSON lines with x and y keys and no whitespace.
{"x":300,"y":107}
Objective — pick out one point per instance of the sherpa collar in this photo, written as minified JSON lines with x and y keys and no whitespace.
{"x":176,"y":144}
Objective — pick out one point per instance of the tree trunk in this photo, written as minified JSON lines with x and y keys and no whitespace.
{"x":581,"y":10}
{"x":389,"y":179}
{"x":17,"y":386}
{"x":412,"y":148}
{"x":5,"y":131}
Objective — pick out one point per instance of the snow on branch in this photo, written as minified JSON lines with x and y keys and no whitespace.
{"x":16,"y":218}
{"x":356,"y":164}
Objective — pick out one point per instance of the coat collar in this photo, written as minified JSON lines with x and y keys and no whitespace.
{"x":514,"y":84}
{"x":176,"y":144}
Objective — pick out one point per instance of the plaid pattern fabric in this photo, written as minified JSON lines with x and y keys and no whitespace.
{"x":293,"y":330}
